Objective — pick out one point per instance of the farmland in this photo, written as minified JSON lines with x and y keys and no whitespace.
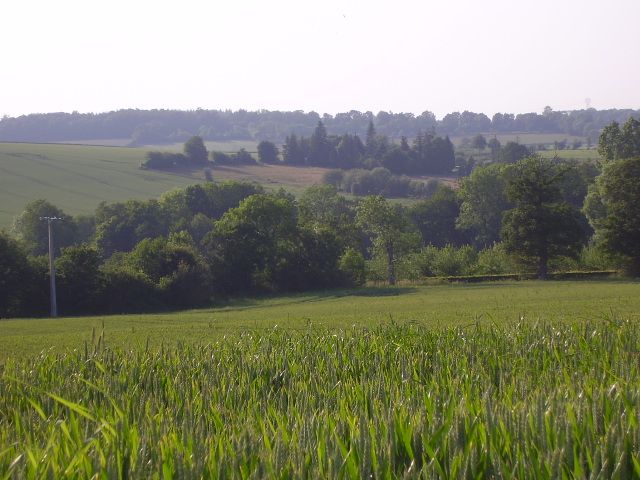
{"x":509,"y":380}
{"x":77,"y":178}
{"x":431,"y":306}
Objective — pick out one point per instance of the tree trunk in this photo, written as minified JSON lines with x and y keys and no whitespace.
{"x":391,"y":270}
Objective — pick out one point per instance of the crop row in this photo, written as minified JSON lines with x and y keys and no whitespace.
{"x":529,"y":400}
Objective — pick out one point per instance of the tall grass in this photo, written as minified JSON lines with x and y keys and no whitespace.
{"x":520,"y":401}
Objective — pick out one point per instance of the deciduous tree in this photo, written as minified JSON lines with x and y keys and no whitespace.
{"x":542,"y":225}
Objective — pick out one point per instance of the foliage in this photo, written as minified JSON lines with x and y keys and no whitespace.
{"x":494,"y":260}
{"x":241,"y":157}
{"x":385,"y":223}
{"x":618,"y":144}
{"x":32,"y":230}
{"x":436,"y":217}
{"x":79,"y":282}
{"x":320,"y":208}
{"x":120,"y":226}
{"x":352,"y":265}
{"x":268,"y":152}
{"x":162,"y":126}
{"x":541,"y":225}
{"x":195,"y":151}
{"x":15,"y":274}
{"x":483,"y":202}
{"x":613,"y":210}
{"x":379,"y":181}
{"x":512,"y":152}
{"x":164,"y":160}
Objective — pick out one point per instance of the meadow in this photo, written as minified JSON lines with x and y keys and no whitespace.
{"x":506,"y":380}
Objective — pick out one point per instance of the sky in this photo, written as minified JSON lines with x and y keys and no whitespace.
{"x":328,"y":56}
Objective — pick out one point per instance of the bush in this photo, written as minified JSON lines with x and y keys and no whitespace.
{"x":494,"y":260}
{"x":352,"y":266}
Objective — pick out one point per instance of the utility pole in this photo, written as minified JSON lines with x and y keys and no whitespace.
{"x":52,"y":267}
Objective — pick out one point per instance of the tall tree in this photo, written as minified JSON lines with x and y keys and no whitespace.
{"x":370,"y":139}
{"x":613,"y":208}
{"x":435,"y":218}
{"x":384,"y":223}
{"x":542,"y":225}
{"x":32,"y":230}
{"x":195,"y":151}
{"x":15,"y":277}
{"x":484,"y":200}
{"x":267,"y":152}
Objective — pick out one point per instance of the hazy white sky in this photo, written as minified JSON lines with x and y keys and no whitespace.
{"x":329,"y":56}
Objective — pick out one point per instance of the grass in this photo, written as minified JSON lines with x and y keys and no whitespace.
{"x":504,"y":399}
{"x":76,"y":178}
{"x":432,"y":306}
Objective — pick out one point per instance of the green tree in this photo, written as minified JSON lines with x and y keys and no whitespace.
{"x":512,"y":152}
{"x":494,"y":145}
{"x":246,"y":244}
{"x":483,"y":201}
{"x":613,"y":208}
{"x":617,"y":144}
{"x":15,"y":277}
{"x":174,"y":267}
{"x":120,"y":226}
{"x":436,"y":217}
{"x":195,"y":151}
{"x":32,"y":230}
{"x":385,"y":223}
{"x":479,"y":142}
{"x":79,"y":281}
{"x":267,"y":152}
{"x":322,"y":209}
{"x":542,"y":225}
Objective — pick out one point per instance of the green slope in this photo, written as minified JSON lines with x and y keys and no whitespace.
{"x":75,"y":178}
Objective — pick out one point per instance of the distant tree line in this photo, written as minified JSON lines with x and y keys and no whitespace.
{"x":145,"y":127}
{"x":213,"y":240}
{"x":428,"y":154}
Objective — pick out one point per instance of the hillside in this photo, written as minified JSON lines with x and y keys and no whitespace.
{"x":76,"y":178}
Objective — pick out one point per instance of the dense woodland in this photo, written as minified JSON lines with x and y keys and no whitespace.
{"x":168,"y":126}
{"x":213,"y":240}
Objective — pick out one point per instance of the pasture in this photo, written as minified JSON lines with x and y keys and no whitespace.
{"x":510,"y":380}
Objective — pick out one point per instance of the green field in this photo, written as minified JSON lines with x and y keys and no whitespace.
{"x":76,"y":178}
{"x":432,"y":306}
{"x":510,"y":380}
